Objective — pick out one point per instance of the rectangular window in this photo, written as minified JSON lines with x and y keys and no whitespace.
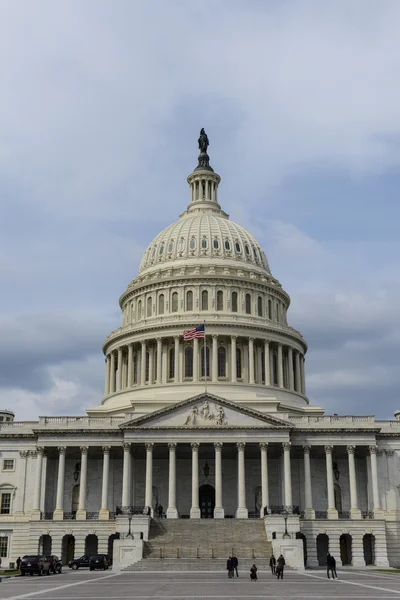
{"x":8,"y":464}
{"x":5,"y":506}
{"x":3,"y":547}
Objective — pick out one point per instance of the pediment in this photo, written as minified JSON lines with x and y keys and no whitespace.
{"x":207,"y":411}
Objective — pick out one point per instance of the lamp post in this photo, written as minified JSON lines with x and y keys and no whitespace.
{"x":286,"y":535}
{"x":129,"y":534}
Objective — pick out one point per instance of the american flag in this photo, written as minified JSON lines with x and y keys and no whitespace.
{"x":196,"y":332}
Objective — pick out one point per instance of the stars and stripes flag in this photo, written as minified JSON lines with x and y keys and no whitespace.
{"x":196,"y":332}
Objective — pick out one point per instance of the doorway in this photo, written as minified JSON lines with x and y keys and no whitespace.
{"x":369,"y":549}
{"x":322,"y":548}
{"x":68,"y":549}
{"x":345,"y":549}
{"x":207,"y":501}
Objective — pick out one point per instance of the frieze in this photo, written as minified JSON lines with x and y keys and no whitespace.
{"x":208,"y":414}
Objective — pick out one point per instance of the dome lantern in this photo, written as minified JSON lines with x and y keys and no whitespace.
{"x":203,"y":181}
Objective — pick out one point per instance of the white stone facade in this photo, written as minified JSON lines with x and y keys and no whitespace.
{"x":239,"y":441}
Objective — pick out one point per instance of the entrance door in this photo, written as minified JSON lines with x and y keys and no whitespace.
{"x":207,"y":501}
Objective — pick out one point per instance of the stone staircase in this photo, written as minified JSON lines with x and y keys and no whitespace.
{"x":203,"y":544}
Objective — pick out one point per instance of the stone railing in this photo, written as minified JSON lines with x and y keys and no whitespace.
{"x":92,"y":516}
{"x":46,"y":516}
{"x":129,"y":510}
{"x":367,"y":514}
{"x":16,"y":424}
{"x":321,"y":514}
{"x":333,"y":420}
{"x":345,"y":514}
{"x":281,"y":509}
{"x":81,"y":421}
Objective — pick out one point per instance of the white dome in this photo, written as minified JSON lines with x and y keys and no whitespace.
{"x":204,"y":235}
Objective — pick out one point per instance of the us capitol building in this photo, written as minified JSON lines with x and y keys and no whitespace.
{"x":224,"y":433}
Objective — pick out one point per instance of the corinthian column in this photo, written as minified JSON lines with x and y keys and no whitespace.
{"x":104,"y":513}
{"x":241,"y":512}
{"x":355,"y":512}
{"x":195,"y":509}
{"x":251,"y":360}
{"x":159,"y":359}
{"x":20,"y":498}
{"x":59,"y":511}
{"x":233,"y":358}
{"x":143,"y":364}
{"x":112,"y":374}
{"x":290,"y":368}
{"x":81,"y":512}
{"x":38,"y":482}
{"x":267,"y":363}
{"x":130,"y":365}
{"x":288,"y":475}
{"x":195,"y":359}
{"x":219,"y":509}
{"x":309,"y":512}
{"x":149,"y":476}
{"x":332,"y":512}
{"x":214,"y":372}
{"x":378,"y":513}
{"x":107,"y":382}
{"x":264,"y":478}
{"x":176,"y":359}
{"x":126,"y":476}
{"x":280,"y":366}
{"x":119,"y":369}
{"x":172,"y":512}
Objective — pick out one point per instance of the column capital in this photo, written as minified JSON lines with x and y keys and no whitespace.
{"x":286,"y":446}
{"x":234,"y":337}
{"x":328,"y":449}
{"x":126,"y":446}
{"x":195,"y":446}
{"x":61,"y":449}
{"x":214,"y":336}
{"x":24,"y":453}
{"x":84,"y":449}
{"x":263,"y":445}
{"x":241,"y":446}
{"x":218,"y":445}
{"x":373,"y":449}
{"x":176,"y":338}
{"x":172,"y":445}
{"x":389,"y":452}
{"x":158,"y":339}
{"x":350,"y":449}
{"x":251,"y":339}
{"x":106,"y":449}
{"x":40,"y":450}
{"x":32,"y":453}
{"x":149,"y":446}
{"x":307,"y":448}
{"x":267,"y":342}
{"x":143,"y":343}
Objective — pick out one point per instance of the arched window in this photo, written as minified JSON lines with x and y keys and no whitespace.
{"x":149,"y":306}
{"x":255,"y":254}
{"x":204,"y":242}
{"x":270,"y":309}
{"x":234,"y":302}
{"x":161,"y":304}
{"x":171,"y":363}
{"x":238,"y":363}
{"x":139,"y":310}
{"x":181,"y":245}
{"x":247,"y":249}
{"x":221,"y":362}
{"x":170,"y":246}
{"x":204,"y":300}
{"x":220,"y":300}
{"x":259,"y":306}
{"x":189,"y":361}
{"x":192,"y":243}
{"x":227,"y":244}
{"x":189,"y":300}
{"x":216,"y":244}
{"x":207,"y":360}
{"x":174,"y":303}
{"x":161,"y":250}
{"x":238,"y":247}
{"x":248,"y":304}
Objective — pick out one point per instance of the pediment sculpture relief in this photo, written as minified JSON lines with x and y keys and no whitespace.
{"x":206,"y":415}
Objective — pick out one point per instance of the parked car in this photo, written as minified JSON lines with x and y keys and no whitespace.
{"x":55,"y":563}
{"x":35,"y":563}
{"x":80,"y":562}
{"x":99,"y":561}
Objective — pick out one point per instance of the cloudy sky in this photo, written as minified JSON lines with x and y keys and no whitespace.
{"x":100,"y":108}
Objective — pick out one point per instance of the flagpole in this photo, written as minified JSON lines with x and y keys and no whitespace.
{"x":205,"y":359}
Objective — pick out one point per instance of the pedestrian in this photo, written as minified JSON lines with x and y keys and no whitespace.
{"x":235,"y":564}
{"x":229,"y":567}
{"x":18,"y":562}
{"x":160,"y":511}
{"x":280,"y":566}
{"x":272,"y":564}
{"x":331,"y":566}
{"x":253,"y":573}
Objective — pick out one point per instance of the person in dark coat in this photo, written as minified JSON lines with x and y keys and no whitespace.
{"x":19,"y":562}
{"x":160,"y":511}
{"x":235,"y":564}
{"x":229,"y":567}
{"x":272,"y":564}
{"x":331,"y":566}
{"x":280,"y":566}
{"x":253,"y":573}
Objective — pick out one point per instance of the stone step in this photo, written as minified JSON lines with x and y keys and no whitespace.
{"x":193,"y":565}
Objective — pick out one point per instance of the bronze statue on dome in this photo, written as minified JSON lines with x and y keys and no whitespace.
{"x":203,"y":141}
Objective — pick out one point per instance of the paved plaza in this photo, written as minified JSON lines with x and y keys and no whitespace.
{"x":205,"y":585}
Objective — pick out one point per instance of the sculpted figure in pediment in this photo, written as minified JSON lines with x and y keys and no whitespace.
{"x":206,"y":415}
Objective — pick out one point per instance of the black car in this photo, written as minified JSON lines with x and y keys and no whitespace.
{"x":35,"y":563}
{"x":55,"y":563}
{"x":99,"y":561}
{"x":78,"y":563}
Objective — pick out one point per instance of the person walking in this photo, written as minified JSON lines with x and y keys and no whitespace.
{"x":253,"y":573}
{"x":18,"y":562}
{"x":331,"y":566}
{"x":229,"y":567}
{"x":160,"y":511}
{"x":280,"y":566}
{"x":235,"y":564}
{"x":272,"y":564}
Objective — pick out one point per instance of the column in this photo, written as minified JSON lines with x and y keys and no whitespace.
{"x":219,"y":509}
{"x":159,"y":360}
{"x":298,"y":376}
{"x":107,"y":383}
{"x":332,"y":512}
{"x":149,"y":477}
{"x":280,"y":366}
{"x":241,"y":512}
{"x":104,"y":513}
{"x":112,"y":374}
{"x":151,"y":365}
{"x":267,"y":363}
{"x":126,"y":476}
{"x":130,"y":365}
{"x":143,"y":364}
{"x":303,"y":377}
{"x":355,"y":512}
{"x":264,"y":478}
{"x":20,"y":498}
{"x":378,"y":512}
{"x":287,"y":476}
{"x":59,"y":510}
{"x":195,"y":359}
{"x":251,"y":360}
{"x":172,"y":512}
{"x":290,"y":368}
{"x":81,"y":512}
{"x":119,"y":367}
{"x":38,"y":481}
{"x":214,"y":371}
{"x":195,"y":509}
{"x":233,"y":358}
{"x":176,"y":359}
{"x":165,"y":363}
{"x":309,"y":512}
